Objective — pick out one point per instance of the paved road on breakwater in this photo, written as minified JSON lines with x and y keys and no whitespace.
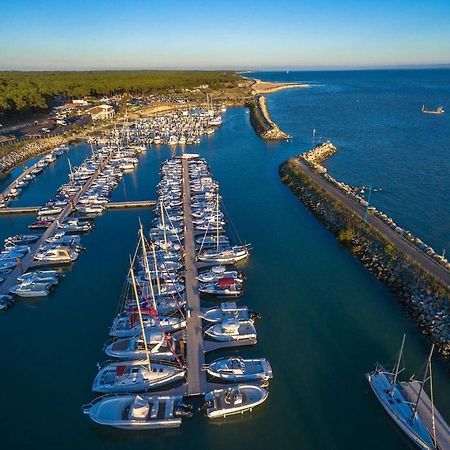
{"x":422,"y":259}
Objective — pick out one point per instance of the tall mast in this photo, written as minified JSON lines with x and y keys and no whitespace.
{"x":397,"y":366}
{"x":424,"y":380}
{"x":138,"y":303}
{"x":164,"y":225}
{"x":156,"y":269}
{"x":217,"y":222}
{"x":147,"y":268}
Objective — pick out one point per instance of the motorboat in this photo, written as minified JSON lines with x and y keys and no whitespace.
{"x":224,"y":287}
{"x":59,"y":254}
{"x":23,"y":239}
{"x":138,"y":411}
{"x":135,"y":376}
{"x":222,"y":403}
{"x":228,"y":310}
{"x":6,"y":266}
{"x":75,"y":226}
{"x":232,"y":329}
{"x":40,"y":224}
{"x":218,"y":272}
{"x":6,"y":301}
{"x":40,"y":276}
{"x":30,"y":289}
{"x":236,"y":369}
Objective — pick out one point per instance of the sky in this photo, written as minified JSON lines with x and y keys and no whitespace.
{"x":222,"y":34}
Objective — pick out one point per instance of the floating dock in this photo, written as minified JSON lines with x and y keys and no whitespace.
{"x":195,"y":353}
{"x":28,"y":260}
{"x":110,"y":205}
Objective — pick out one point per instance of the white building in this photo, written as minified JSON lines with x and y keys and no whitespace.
{"x":101,"y":112}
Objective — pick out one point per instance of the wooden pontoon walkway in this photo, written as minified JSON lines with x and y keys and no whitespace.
{"x":424,"y":409}
{"x":195,"y":356}
{"x":28,"y":260}
{"x":110,"y":205}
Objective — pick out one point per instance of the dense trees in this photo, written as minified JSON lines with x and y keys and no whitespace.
{"x":24,"y":92}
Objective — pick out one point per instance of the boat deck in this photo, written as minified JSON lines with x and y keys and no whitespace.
{"x":411,"y":389}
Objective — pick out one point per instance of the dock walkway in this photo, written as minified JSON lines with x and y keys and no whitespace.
{"x":195,"y":357}
{"x":13,"y":184}
{"x":28,"y":260}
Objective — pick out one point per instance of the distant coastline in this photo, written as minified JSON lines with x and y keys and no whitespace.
{"x":267,"y":87}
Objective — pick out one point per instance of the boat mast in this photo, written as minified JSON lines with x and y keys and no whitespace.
{"x":164,"y":225}
{"x":147,"y":268}
{"x":144,"y":337}
{"x":158,"y":284}
{"x":397,"y":366}
{"x":422,"y":384}
{"x":217,"y":223}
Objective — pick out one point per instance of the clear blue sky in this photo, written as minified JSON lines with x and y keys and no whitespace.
{"x":79,"y":34}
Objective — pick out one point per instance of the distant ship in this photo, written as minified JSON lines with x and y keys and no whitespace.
{"x":439,"y":110}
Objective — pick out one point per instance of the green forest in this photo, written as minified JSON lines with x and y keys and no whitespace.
{"x":27,"y":92}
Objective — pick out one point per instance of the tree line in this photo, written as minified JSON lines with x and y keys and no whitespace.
{"x":27,"y":92}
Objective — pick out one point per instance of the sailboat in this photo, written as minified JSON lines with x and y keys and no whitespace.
{"x":397,"y":404}
{"x":136,"y":376}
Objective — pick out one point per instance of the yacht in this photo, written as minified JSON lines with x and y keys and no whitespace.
{"x":40,"y":276}
{"x":236,"y":369}
{"x":138,"y":412}
{"x":222,"y":403}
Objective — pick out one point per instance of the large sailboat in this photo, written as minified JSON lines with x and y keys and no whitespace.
{"x":390,"y":393}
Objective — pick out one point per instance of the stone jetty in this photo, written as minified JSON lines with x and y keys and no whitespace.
{"x":262,"y":123}
{"x":417,"y":279}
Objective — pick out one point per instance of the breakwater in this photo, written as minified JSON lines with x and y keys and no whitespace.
{"x":262,"y":123}
{"x":21,"y":152}
{"x":419,"y":281}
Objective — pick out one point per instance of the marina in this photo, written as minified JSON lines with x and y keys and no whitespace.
{"x":312,"y":293}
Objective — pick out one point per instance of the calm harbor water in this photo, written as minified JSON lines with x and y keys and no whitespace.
{"x":325,"y":320}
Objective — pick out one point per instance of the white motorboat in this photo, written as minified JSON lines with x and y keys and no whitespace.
{"x":23,"y":239}
{"x":138,"y":412}
{"x":232,"y":329}
{"x":222,"y":403}
{"x":30,"y":289}
{"x":135,"y":376}
{"x":228,"y":310}
{"x":224,"y":287}
{"x":218,"y":272}
{"x":40,"y":276}
{"x":237,"y":369}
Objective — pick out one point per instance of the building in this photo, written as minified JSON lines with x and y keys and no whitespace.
{"x":101,"y":112}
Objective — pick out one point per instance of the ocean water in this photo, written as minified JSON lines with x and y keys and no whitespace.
{"x":325,"y":319}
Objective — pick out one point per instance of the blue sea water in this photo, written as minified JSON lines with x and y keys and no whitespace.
{"x":325,"y":319}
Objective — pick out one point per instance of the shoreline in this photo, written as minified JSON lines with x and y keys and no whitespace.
{"x":418,"y":281}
